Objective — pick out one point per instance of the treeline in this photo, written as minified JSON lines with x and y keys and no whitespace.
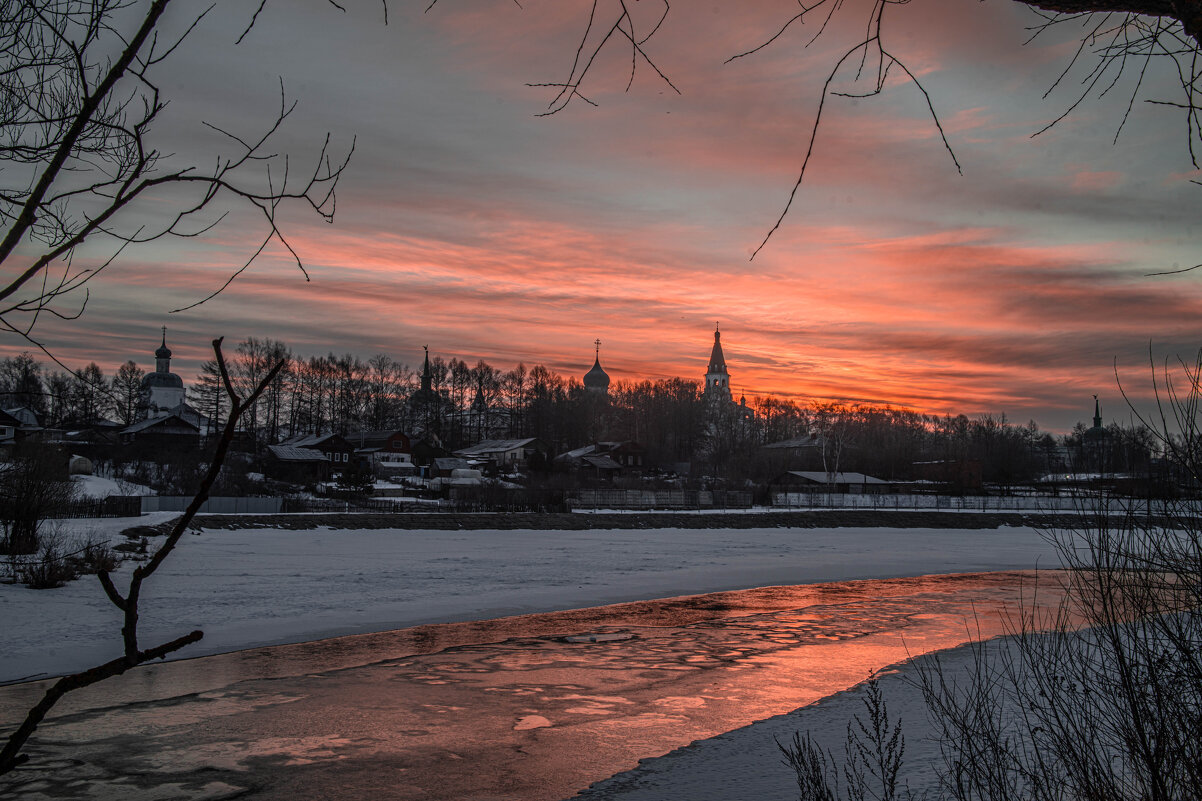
{"x":59,"y":397}
{"x":669,"y":418}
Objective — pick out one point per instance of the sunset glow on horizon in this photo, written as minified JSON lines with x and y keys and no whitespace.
{"x":467,"y":223}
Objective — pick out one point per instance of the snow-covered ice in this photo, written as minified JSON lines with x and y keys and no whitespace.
{"x":747,"y":764}
{"x":260,"y":587}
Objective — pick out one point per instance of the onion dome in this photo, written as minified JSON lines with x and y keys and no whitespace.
{"x":597,"y":379}
{"x":163,"y":352}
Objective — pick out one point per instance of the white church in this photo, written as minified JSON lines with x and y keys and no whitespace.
{"x":162,"y":404}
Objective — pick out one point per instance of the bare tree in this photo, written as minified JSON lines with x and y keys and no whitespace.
{"x":10,"y":755}
{"x":1101,"y":697}
{"x":127,"y":389}
{"x":1117,"y":39}
{"x":79,"y":100}
{"x":33,"y":485}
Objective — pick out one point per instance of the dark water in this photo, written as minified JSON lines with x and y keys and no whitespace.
{"x":531,"y":707}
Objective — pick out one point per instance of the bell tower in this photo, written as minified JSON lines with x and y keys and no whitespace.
{"x":717,"y":379}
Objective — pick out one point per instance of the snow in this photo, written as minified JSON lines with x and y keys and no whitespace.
{"x":747,"y":764}
{"x":261,"y":587}
{"x":102,"y":487}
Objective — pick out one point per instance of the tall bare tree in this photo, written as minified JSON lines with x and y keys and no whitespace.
{"x":79,"y":102}
{"x":1117,"y":38}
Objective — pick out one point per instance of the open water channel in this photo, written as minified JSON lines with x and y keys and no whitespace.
{"x":526,"y":708}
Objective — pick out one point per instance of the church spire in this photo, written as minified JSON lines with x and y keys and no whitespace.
{"x":162,"y":356}
{"x":717,"y":360}
{"x":717,"y":378}
{"x":427,"y":376}
{"x":1097,"y":412}
{"x":596,"y":380}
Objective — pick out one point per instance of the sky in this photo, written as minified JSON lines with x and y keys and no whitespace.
{"x":468,"y":222}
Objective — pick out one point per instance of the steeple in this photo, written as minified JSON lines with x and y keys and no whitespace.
{"x":717,"y":360}
{"x":717,"y":379}
{"x":1097,"y":413}
{"x":596,"y":380}
{"x":427,"y":376}
{"x":425,"y":402}
{"x":162,"y":356}
{"x":161,"y":391}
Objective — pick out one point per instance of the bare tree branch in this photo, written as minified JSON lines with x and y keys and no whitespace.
{"x":10,"y":755}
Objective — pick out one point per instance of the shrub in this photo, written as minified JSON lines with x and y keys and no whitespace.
{"x":33,"y":484}
{"x":49,"y":569}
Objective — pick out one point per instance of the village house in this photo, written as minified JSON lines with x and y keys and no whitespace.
{"x":167,"y":434}
{"x":505,"y":453}
{"x":797,"y":481}
{"x":296,"y":465}
{"x":333,"y":447}
{"x":390,"y":453}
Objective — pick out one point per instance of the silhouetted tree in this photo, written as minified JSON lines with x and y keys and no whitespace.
{"x":127,"y":389}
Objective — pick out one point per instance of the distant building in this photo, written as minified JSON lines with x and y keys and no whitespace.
{"x":823,"y":481}
{"x":596,"y":380}
{"x":425,"y":405}
{"x":297,"y":465}
{"x":333,"y":447}
{"x":17,"y":423}
{"x":390,"y":452}
{"x":162,"y":391}
{"x":167,"y":423}
{"x":506,"y":453}
{"x":717,"y":378}
{"x":162,"y":435}
{"x":603,"y":459}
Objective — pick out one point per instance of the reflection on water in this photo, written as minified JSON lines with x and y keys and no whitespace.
{"x":530,"y":707}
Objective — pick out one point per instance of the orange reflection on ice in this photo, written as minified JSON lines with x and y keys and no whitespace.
{"x":531,"y":707}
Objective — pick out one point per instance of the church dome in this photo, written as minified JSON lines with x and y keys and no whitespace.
{"x":163,"y":351}
{"x":169,"y":380}
{"x":596,"y":378}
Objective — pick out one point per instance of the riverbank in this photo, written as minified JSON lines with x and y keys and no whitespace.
{"x":625,"y":521}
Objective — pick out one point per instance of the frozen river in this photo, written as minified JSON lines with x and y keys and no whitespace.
{"x":531,"y":707}
{"x":267,"y":587}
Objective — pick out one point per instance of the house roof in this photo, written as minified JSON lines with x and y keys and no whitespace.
{"x":823,"y":477}
{"x":601,"y":449}
{"x":291,"y":453}
{"x":495,"y":446}
{"x":309,"y":440}
{"x":155,"y":422}
{"x":601,"y":462}
{"x":372,"y":439}
{"x":26,"y":416}
{"x":450,"y":463}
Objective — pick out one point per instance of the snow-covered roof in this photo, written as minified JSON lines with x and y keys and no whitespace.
{"x":601,"y":462}
{"x":450,"y":463}
{"x":154,"y":422}
{"x":292,"y":453}
{"x":308,"y":440}
{"x":823,"y":477}
{"x":495,"y":446}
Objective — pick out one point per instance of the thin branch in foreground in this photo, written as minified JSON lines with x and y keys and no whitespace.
{"x":11,"y":756}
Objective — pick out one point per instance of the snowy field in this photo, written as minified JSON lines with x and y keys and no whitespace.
{"x":261,"y":587}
